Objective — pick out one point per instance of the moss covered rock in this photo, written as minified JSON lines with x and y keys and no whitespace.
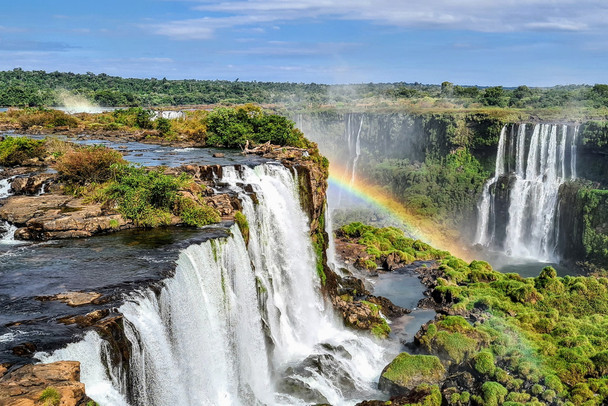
{"x":407,"y":371}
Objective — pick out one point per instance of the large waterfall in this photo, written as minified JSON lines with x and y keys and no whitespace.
{"x":518,"y":209}
{"x":238,"y":324}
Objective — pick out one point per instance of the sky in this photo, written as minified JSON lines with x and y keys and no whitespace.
{"x":467,"y":42}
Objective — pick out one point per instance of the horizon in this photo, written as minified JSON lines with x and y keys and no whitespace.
{"x":543,"y":43}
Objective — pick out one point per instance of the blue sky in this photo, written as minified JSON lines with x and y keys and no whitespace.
{"x":482,"y":42}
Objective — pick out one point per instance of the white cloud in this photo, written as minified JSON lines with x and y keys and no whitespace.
{"x":471,"y":15}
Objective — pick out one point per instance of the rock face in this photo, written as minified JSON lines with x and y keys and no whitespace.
{"x":24,"y":386}
{"x":407,"y":371}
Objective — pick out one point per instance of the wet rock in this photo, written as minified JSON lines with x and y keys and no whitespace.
{"x":388,"y":308}
{"x":219,"y":155}
{"x":325,"y":365}
{"x":86,"y":320}
{"x":407,"y":371}
{"x":30,"y":185}
{"x":25,"y":385}
{"x":25,"y":349}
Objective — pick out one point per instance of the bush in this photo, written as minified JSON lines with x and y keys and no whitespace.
{"x":86,"y":165}
{"x":150,"y":198}
{"x":197,"y":215}
{"x":163,"y":125}
{"x":16,"y":150}
{"x":31,"y":117}
{"x":147,"y":197}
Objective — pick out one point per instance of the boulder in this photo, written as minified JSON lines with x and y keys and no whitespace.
{"x":407,"y":371}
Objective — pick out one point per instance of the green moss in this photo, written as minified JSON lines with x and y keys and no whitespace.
{"x":50,"y":397}
{"x":243,"y":224}
{"x":493,"y":393}
{"x":484,"y":363}
{"x":381,"y":329}
{"x":405,"y":368}
{"x":382,"y":242}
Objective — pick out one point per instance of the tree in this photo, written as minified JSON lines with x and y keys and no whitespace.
{"x":447,"y":89}
{"x":494,"y":96}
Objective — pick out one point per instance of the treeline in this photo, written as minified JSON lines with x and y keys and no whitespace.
{"x":38,"y":88}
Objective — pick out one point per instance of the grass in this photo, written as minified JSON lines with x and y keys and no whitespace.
{"x":50,"y":397}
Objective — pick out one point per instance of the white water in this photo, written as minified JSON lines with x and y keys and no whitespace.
{"x":8,"y":235}
{"x":485,"y":206}
{"x":226,"y":327}
{"x":541,"y":166}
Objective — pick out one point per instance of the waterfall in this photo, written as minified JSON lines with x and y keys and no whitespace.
{"x":241,"y":324}
{"x":485,"y":206}
{"x":531,"y":198}
{"x":353,"y":139}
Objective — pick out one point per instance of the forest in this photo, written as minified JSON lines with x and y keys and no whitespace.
{"x":20,"y":88}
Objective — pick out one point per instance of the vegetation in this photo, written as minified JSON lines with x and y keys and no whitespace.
{"x":38,"y":88}
{"x":90,"y":164}
{"x":243,"y":224}
{"x":595,"y":217}
{"x":50,"y":397}
{"x":382,"y":242}
{"x":446,"y":187}
{"x":149,"y":197}
{"x":17,"y":150}
{"x":540,"y":340}
{"x":223,"y":127}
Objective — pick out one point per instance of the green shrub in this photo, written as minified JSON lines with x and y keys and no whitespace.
{"x":163,"y":125}
{"x":16,"y":150}
{"x":197,"y":215}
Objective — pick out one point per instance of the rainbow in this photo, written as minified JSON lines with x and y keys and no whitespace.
{"x":438,"y":235}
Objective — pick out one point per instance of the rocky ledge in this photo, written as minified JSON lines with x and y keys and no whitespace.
{"x":58,"y":383}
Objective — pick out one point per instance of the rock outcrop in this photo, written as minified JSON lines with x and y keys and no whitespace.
{"x":25,"y":386}
{"x":51,"y":216}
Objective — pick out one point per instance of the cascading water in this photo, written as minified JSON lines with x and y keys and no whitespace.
{"x":7,"y":230}
{"x":531,"y":164}
{"x":353,"y":132}
{"x":239,"y":324}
